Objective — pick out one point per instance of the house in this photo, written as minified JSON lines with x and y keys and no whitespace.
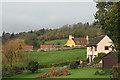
{"x":100,"y":44}
{"x":74,"y":42}
{"x":109,"y":60}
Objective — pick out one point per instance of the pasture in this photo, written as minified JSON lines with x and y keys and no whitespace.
{"x":50,"y":57}
{"x":62,"y":42}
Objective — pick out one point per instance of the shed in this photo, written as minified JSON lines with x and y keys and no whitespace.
{"x":109,"y":60}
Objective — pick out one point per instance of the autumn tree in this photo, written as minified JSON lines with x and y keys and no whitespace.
{"x":12,"y":52}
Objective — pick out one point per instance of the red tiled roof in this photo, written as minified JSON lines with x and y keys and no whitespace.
{"x":80,"y":41}
{"x":28,"y":47}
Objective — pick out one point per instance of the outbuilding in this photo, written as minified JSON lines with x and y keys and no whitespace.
{"x":109,"y":60}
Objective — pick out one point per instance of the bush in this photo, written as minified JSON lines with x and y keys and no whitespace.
{"x":108,"y":71}
{"x":58,"y":43}
{"x":66,"y":46}
{"x":98,"y":58}
{"x":104,"y":72}
{"x":87,"y":60}
{"x":73,"y":66}
{"x":116,"y":71}
{"x":54,"y":73}
{"x":100,"y":55}
{"x":33,"y":66}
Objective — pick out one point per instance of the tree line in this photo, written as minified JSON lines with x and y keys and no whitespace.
{"x":38,"y":37}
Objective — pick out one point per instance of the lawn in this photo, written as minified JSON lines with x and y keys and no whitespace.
{"x":59,"y":56}
{"x":84,"y":73}
{"x":62,"y":42}
{"x":75,"y":73}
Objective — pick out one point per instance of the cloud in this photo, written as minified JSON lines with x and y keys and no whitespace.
{"x":25,"y":16}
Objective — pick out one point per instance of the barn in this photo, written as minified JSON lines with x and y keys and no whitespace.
{"x":109,"y":60}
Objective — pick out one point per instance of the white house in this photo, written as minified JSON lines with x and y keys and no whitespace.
{"x":98,"y":45}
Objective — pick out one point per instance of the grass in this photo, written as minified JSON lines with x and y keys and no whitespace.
{"x":62,"y":42}
{"x":58,"y":56}
{"x":76,"y":73}
{"x":84,"y":73}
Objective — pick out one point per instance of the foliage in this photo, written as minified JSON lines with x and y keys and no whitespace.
{"x":54,"y":73}
{"x":98,"y":58}
{"x":58,"y":43}
{"x":13,"y":52}
{"x":33,"y":66}
{"x":77,"y":30}
{"x":116,"y":71}
{"x":73,"y":65}
{"x":104,"y":72}
{"x":108,"y":17}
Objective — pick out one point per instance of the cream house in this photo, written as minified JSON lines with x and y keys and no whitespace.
{"x":98,"y":45}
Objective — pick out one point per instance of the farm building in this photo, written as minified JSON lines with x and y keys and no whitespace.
{"x":100,"y":44}
{"x":73,"y":42}
{"x":109,"y":60}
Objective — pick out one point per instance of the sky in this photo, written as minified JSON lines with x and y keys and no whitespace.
{"x":26,"y":16}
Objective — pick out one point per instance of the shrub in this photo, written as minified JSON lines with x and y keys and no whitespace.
{"x":73,"y":66}
{"x":54,"y":73}
{"x":98,"y":58}
{"x":33,"y":66}
{"x":66,"y":46}
{"x":116,"y":71}
{"x":104,"y":72}
{"x":87,"y":60}
{"x":108,"y":71}
{"x":58,"y":43}
{"x":97,"y":73}
{"x":100,"y":55}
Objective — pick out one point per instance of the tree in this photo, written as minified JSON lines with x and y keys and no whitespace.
{"x":3,"y":33}
{"x":12,"y":35}
{"x":108,"y":16}
{"x":33,"y":66}
{"x":12,"y":52}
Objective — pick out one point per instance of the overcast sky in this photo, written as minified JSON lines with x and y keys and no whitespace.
{"x":26,"y":16}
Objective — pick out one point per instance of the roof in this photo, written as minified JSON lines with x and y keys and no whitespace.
{"x":80,"y":41}
{"x":28,"y":47}
{"x":113,"y":53}
{"x":96,"y":40}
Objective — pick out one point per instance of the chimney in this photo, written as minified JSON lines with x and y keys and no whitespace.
{"x":70,"y":37}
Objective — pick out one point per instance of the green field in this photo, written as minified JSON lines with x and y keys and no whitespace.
{"x":59,"y":56}
{"x":75,"y":73}
{"x":62,"y":42}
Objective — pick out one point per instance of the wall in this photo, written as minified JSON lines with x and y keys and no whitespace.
{"x":50,"y":46}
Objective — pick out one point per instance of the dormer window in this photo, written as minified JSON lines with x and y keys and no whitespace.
{"x":78,"y":41}
{"x":82,"y":41}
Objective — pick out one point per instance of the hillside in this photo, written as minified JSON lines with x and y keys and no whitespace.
{"x":55,"y":42}
{"x":59,"y":56}
{"x":38,"y":37}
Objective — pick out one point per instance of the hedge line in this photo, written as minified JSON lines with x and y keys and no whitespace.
{"x":56,"y":64}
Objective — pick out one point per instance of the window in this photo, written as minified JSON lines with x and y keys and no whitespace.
{"x":106,"y":48}
{"x":82,"y":41}
{"x":78,"y":42}
{"x":95,"y":48}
